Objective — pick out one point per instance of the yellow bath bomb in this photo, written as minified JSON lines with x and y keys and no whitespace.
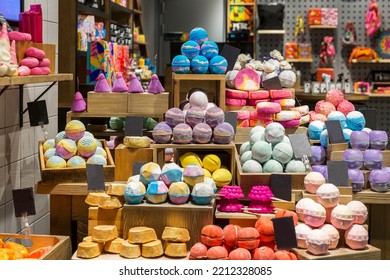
{"x":206,"y":173}
{"x":190,"y":158}
{"x":211,"y":162}
{"x":222,"y":177}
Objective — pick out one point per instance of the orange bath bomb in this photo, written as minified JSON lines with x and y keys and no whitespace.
{"x":212,"y":235}
{"x":287,"y":213}
{"x":240,"y":254}
{"x":198,"y":251}
{"x":263,"y":253}
{"x":284,"y":255}
{"x":248,"y":238}
{"x":217,"y":253}
{"x":265,"y":226}
{"x":230,"y":233}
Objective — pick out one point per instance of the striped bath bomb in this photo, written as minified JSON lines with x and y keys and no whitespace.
{"x":272,"y":166}
{"x":214,"y":116}
{"x":180,"y":64}
{"x":247,"y":79}
{"x":337,"y":116}
{"x":223,"y":133}
{"x":190,"y":49}
{"x":55,"y":162}
{"x":252,"y":166}
{"x":324,"y":107}
{"x":201,"y":133}
{"x":198,"y":98}
{"x":303,"y":110}
{"x":274,"y":133}
{"x":76,"y":161}
{"x":74,"y":130}
{"x":258,"y":94}
{"x":182,"y":133}
{"x":100,"y":151}
{"x":162,"y":133}
{"x":199,"y":64}
{"x":49,"y":144}
{"x":335,"y":97}
{"x":194,"y":116}
{"x":60,"y":135}
{"x":218,"y":65}
{"x":253,"y":102}
{"x":235,"y":102}
{"x":209,"y":49}
{"x":282,"y":152}
{"x":66,"y":148}
{"x":291,"y":123}
{"x":97,"y":159}
{"x":268,"y":108}
{"x":199,"y":35}
{"x":355,"y":120}
{"x":285,"y":115}
{"x":280,"y":93}
{"x":174,"y":116}
{"x":314,"y":129}
{"x":52,"y":152}
{"x":236,"y":94}
{"x":345,"y":107}
{"x":86,"y":146}
{"x":89,"y":134}
{"x":98,"y":143}
{"x":286,"y":103}
{"x":261,"y":151}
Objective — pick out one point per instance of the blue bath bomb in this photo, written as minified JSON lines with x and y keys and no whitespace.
{"x":272,"y":166}
{"x":252,"y":166}
{"x":246,"y":146}
{"x":315,"y":128}
{"x":209,"y":49}
{"x":347,"y":135}
{"x":355,"y":120}
{"x":324,"y":138}
{"x":190,"y":49}
{"x":199,"y":64}
{"x":245,"y":157}
{"x":337,"y":116}
{"x":274,"y":133}
{"x":218,"y":65}
{"x":180,"y":64}
{"x":282,"y":152}
{"x":199,"y":35}
{"x":261,"y":151}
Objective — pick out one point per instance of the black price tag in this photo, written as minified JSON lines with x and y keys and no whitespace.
{"x":338,"y":173}
{"x":300,"y":145}
{"x":335,"y":132}
{"x":231,"y":117}
{"x":24,"y":202}
{"x":134,"y":126}
{"x":281,"y":186}
{"x":230,"y":53}
{"x":285,"y":236}
{"x":37,"y":112}
{"x":273,"y":83}
{"x":137,"y":167}
{"x":95,"y":177}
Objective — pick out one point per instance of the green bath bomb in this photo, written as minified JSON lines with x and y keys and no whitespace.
{"x":252,"y":166}
{"x":295,"y":166}
{"x":282,"y":152}
{"x":246,"y":146}
{"x":274,"y":132}
{"x":257,"y":129}
{"x":245,"y":157}
{"x":272,"y":166}
{"x":261,"y":151}
{"x":256,"y":137}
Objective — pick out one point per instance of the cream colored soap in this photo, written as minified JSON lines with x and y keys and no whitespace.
{"x":104,"y":233}
{"x":141,"y":235}
{"x":175,"y":234}
{"x":152,"y":249}
{"x":93,"y":198}
{"x":175,"y":250}
{"x":116,"y":189}
{"x":114,"y":246}
{"x":130,"y":251}
{"x":88,"y":250}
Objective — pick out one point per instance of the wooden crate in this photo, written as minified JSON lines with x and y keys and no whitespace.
{"x":61,"y":248}
{"x":340,"y":147}
{"x":338,"y":155}
{"x":73,"y":174}
{"x":158,"y":216}
{"x":148,"y":104}
{"x":49,"y":49}
{"x":99,"y":216}
{"x":370,"y":253}
{"x":102,"y":102}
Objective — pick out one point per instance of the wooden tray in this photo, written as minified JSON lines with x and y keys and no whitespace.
{"x":370,"y":253}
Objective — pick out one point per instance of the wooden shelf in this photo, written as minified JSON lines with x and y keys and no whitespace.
{"x":241,"y":4}
{"x":349,"y":97}
{"x":116,"y":8}
{"x":241,"y":215}
{"x":300,"y":60}
{"x":370,"y":197}
{"x":197,"y":77}
{"x":370,"y":253}
{"x":371,"y":61}
{"x":84,"y":9}
{"x":381,"y":95}
{"x":23,"y":80}
{"x":323,"y":26}
{"x":271,"y":32}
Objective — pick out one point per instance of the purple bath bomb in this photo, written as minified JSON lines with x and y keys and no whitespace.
{"x":214,"y":116}
{"x":379,"y":180}
{"x":359,"y":140}
{"x":223,"y":133}
{"x":386,"y":169}
{"x":182,"y":133}
{"x":354,"y":158}
{"x":318,"y":155}
{"x":174,"y":116}
{"x":162,"y":133}
{"x":201,"y":133}
{"x":373,"y":159}
{"x":378,"y":139}
{"x":194,"y":116}
{"x":323,"y":169}
{"x":357,"y":179}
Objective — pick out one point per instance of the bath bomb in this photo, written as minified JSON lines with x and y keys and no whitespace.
{"x":97,"y":159}
{"x":48,"y":144}
{"x":333,"y":234}
{"x":86,"y":146}
{"x":301,"y":232}
{"x":359,"y":211}
{"x":211,"y":162}
{"x":240,"y":254}
{"x":274,"y":133}
{"x":198,"y":98}
{"x":324,"y":107}
{"x":134,"y":192}
{"x":315,"y":128}
{"x":49,"y":153}
{"x":116,"y":123}
{"x":295,"y":166}
{"x":316,"y":117}
{"x":328,"y":195}
{"x":218,"y":65}
{"x":180,"y":64}
{"x":282,"y":152}
{"x":261,"y":151}
{"x":209,"y":49}
{"x":230,"y":77}
{"x":171,"y":172}
{"x":301,"y":206}
{"x":222,"y":177}
{"x":268,"y":108}
{"x":179,"y":192}
{"x":318,"y":155}
{"x":190,"y":49}
{"x":245,"y":147}
{"x":359,"y":140}
{"x":379,"y":180}
{"x":255,"y":137}
{"x":355,"y":120}
{"x":211,"y":182}
{"x":252,"y":166}
{"x":55,"y":162}
{"x":199,"y":35}
{"x":194,"y":116}
{"x":378,"y":139}
{"x":150,"y":172}
{"x":207,"y":173}
{"x":199,"y":64}
{"x":342,"y":217}
{"x":190,"y":158}
{"x":287,"y":78}
{"x":372,"y":159}
{"x":317,"y":242}
{"x":367,"y":129}
{"x":66,"y":148}
{"x":323,"y":169}
{"x":150,"y":123}
{"x":201,"y":133}
{"x":102,"y":84}
{"x":264,"y":253}
{"x":157,"y":192}
{"x":182,"y":133}
{"x":119,"y":84}
{"x":356,"y":177}
{"x":193,"y":174}
{"x":280,"y":93}
{"x":345,"y":107}
{"x":76,"y":161}
{"x":335,"y":96}
{"x":257,"y":130}
{"x":354,"y":158}
{"x":247,"y":79}
{"x":223,"y":133}
{"x":314,"y":214}
{"x":312,"y":181}
{"x":174,"y":116}
{"x":356,"y":237}
{"x":74,"y":130}
{"x":337,"y":116}
{"x":214,"y":116}
{"x":202,"y":193}
{"x":162,"y":133}
{"x":347,"y":135}
{"x":198,"y":251}
{"x":272,"y":166}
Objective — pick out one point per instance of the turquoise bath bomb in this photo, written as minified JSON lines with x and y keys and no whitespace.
{"x":315,"y":128}
{"x":272,"y":166}
{"x":245,"y":157}
{"x":199,"y":64}
{"x":180,"y":64}
{"x":199,"y":35}
{"x":347,"y":135}
{"x":337,"y":116}
{"x":261,"y":151}
{"x":246,"y":146}
{"x":256,"y":137}
{"x":252,"y":166}
{"x":274,"y":132}
{"x":190,"y":49}
{"x":218,"y":65}
{"x":282,"y":152}
{"x":257,"y":129}
{"x":209,"y":49}
{"x":355,"y":120}
{"x":324,"y":138}
{"x":295,"y":166}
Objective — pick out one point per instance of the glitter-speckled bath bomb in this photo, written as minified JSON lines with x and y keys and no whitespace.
{"x":315,"y":128}
{"x":223,"y":133}
{"x":86,"y":146}
{"x":355,"y":120}
{"x":335,"y":96}
{"x":97,"y":159}
{"x":74,"y":130}
{"x":182,"y":133}
{"x":174,"y":116}
{"x":201,"y":133}
{"x":252,"y":166}
{"x":66,"y":148}
{"x":199,"y":64}
{"x":162,"y":133}
{"x":345,"y":107}
{"x":55,"y":162}
{"x":199,"y":35}
{"x":76,"y":161}
{"x":214,"y":116}
{"x":282,"y":152}
{"x":180,"y":64}
{"x":218,"y":65}
{"x":209,"y":49}
{"x":272,"y":166}
{"x":190,"y":49}
{"x":274,"y":133}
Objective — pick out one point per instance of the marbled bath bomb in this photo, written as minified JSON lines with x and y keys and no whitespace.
{"x":182,"y":133}
{"x":162,"y":133}
{"x":274,"y":133}
{"x":272,"y":166}
{"x":201,"y":133}
{"x":174,"y":116}
{"x":214,"y":116}
{"x":194,"y":116}
{"x":261,"y":151}
{"x":223,"y":133}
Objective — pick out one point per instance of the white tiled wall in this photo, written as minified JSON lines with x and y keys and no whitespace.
{"x":19,"y":165}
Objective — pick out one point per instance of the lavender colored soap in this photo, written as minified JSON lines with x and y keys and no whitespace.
{"x":359,"y":140}
{"x":357,"y":179}
{"x":378,"y":139}
{"x":379,"y":180}
{"x":354,"y":158}
{"x":373,"y":159}
{"x":318,"y":155}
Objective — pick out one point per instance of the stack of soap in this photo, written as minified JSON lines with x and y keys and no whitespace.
{"x":230,"y":196}
{"x":260,"y":197}
{"x":257,"y":96}
{"x":146,"y":238}
{"x":236,"y":97}
{"x":175,"y":241}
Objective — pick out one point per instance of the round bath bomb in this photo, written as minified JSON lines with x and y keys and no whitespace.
{"x":174,"y":116}
{"x":150,"y":172}
{"x":240,"y":254}
{"x":282,"y":152}
{"x":100,"y":151}
{"x":274,"y":133}
{"x":257,"y":130}
{"x":223,"y":133}
{"x":357,"y":179}
{"x":86,"y":146}
{"x":324,"y":107}
{"x":378,"y":139}
{"x":134,"y":192}
{"x":182,"y":133}
{"x":256,"y":137}
{"x":211,"y":182}
{"x":230,"y":77}
{"x":99,"y":144}
{"x":201,"y":133}
{"x":335,"y":96}
{"x":247,"y":79}
{"x":217,"y":253}
{"x":76,"y":161}
{"x":295,"y":166}
{"x":272,"y":166}
{"x":171,"y":172}
{"x":301,"y":232}
{"x":209,"y":49}
{"x":222,"y":177}
{"x":337,"y":116}
{"x":150,"y":123}
{"x":66,"y":148}
{"x":261,"y":151}
{"x":179,"y":192}
{"x":199,"y":35}
{"x":49,"y":153}
{"x":323,"y":169}
{"x":55,"y":162}
{"x":317,"y":242}
{"x":198,"y":98}
{"x":355,"y":120}
{"x":313,"y":116}
{"x":345,"y":107}
{"x":301,"y":206}
{"x":379,"y":180}
{"x":194,"y":116}
{"x":354,"y":158}
{"x":312,"y":181}
{"x":190,"y":49}
{"x":359,"y":140}
{"x":328,"y":195}
{"x":324,"y":138}
{"x":333,"y":233}
{"x":157,"y":192}
{"x":74,"y":130}
{"x":180,"y":64}
{"x":162,"y":133}
{"x":202,"y":194}
{"x":211,"y":162}
{"x":193,"y":174}
{"x":263,"y":253}
{"x":198,"y":251}
{"x":318,"y":155}
{"x":315,"y":128}
{"x":49,"y":144}
{"x":214,"y":116}
{"x":314,"y":214}
{"x":245,"y":147}
{"x":342,"y":217}
{"x":359,"y":211}
{"x":287,"y":78}
{"x":367,"y":129}
{"x":372,"y":159}
{"x":116,"y":123}
{"x":218,"y":65}
{"x":207,"y":173}
{"x":190,"y":158}
{"x":252,"y":166}
{"x":356,"y":237}
{"x":59,"y":136}
{"x":199,"y":64}
{"x":347,"y":135}
{"x":97,"y":159}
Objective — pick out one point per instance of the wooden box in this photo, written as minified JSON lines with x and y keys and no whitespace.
{"x":338,"y":155}
{"x":370,"y":253}
{"x":148,"y":104}
{"x":102,"y":102}
{"x":99,"y":216}
{"x":61,"y":248}
{"x":49,"y":49}
{"x":158,"y":216}
{"x":73,"y":174}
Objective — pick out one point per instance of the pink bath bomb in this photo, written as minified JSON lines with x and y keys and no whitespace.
{"x":247,"y":79}
{"x":317,"y":242}
{"x":314,"y":215}
{"x":356,"y":237}
{"x":333,"y":233}
{"x":301,"y":232}
{"x":335,"y":97}
{"x":312,"y":181}
{"x":316,"y":117}
{"x":359,"y":211}
{"x":328,"y":195}
{"x":345,"y":107}
{"x":341,"y":217}
{"x":301,"y":207}
{"x":324,"y":107}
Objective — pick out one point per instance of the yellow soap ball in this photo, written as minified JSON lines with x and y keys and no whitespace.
{"x":222,"y":177}
{"x":190,"y":158}
{"x":206,"y":173}
{"x":211,"y":162}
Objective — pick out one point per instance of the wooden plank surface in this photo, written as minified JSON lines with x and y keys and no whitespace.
{"x":107,"y":256}
{"x":5,"y":81}
{"x":102,"y":102}
{"x":370,"y":253}
{"x":379,"y":228}
{"x":66,"y":189}
{"x":125,"y":157}
{"x":61,"y":215}
{"x":34,"y":79}
{"x":196,"y":77}
{"x":370,"y":197}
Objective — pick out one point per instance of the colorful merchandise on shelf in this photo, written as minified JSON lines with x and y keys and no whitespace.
{"x":119,"y":84}
{"x":134,"y":192}
{"x":156,"y":192}
{"x":180,"y":64}
{"x":379,"y":180}
{"x":317,"y":242}
{"x":79,"y":104}
{"x":190,"y":49}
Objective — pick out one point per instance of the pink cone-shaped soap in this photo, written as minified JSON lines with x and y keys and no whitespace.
{"x":155,"y":85}
{"x":78,"y":104}
{"x":119,"y":84}
{"x":102,"y":84}
{"x":135,"y":85}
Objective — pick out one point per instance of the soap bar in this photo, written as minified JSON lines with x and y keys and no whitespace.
{"x":114,"y":246}
{"x":109,"y":202}
{"x":141,"y":235}
{"x":130,"y":251}
{"x":116,"y":189}
{"x":136,"y":141}
{"x":104,"y":233}
{"x":175,"y":250}
{"x":152,"y":249}
{"x":93,"y":198}
{"x":175,"y":234}
{"x":88,"y":250}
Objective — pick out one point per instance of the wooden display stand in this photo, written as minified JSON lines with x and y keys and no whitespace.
{"x":370,"y":253}
{"x":101,"y":102}
{"x":345,"y":195}
{"x":339,"y":147}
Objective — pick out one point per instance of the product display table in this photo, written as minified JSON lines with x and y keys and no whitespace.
{"x":112,"y":257}
{"x":311,"y":97}
{"x":370,"y":253}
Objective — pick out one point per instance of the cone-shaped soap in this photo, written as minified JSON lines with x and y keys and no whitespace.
{"x":119,"y":84}
{"x":78,"y":104}
{"x":135,"y":85}
{"x":155,"y":85}
{"x":102,"y":84}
